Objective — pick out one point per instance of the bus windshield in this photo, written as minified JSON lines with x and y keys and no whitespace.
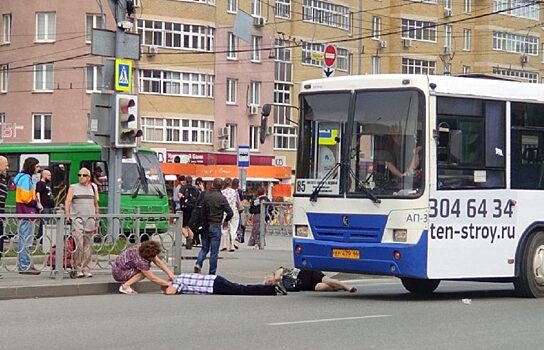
{"x":145,"y":180}
{"x":382,"y":156}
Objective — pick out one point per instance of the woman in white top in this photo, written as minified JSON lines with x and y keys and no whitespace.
{"x":228,"y":232}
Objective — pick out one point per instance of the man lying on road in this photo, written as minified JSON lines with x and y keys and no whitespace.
{"x":195,"y":283}
{"x":295,"y":280}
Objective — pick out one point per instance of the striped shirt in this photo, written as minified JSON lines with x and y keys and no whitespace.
{"x":3,"y":193}
{"x":194,"y":283}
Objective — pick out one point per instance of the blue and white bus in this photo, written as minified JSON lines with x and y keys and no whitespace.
{"x":425,"y":178}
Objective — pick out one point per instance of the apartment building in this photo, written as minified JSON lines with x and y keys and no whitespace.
{"x":201,"y":88}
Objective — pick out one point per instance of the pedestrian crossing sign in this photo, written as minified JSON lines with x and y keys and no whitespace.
{"x":123,"y":75}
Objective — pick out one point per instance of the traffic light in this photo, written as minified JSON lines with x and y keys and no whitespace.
{"x":126,"y":121}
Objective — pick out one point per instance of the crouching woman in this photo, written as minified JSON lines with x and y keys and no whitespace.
{"x":133,"y":265}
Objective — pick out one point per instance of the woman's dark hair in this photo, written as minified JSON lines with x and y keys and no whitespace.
{"x":227,"y":182}
{"x":149,"y":250}
{"x":29,"y":166}
{"x":181,"y":178}
{"x":235,"y":183}
{"x":260,"y":191}
{"x":198,"y":181}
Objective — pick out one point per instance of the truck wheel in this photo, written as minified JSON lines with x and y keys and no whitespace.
{"x":420,"y":286}
{"x":530,"y":282}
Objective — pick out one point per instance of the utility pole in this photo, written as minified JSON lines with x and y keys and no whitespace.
{"x":114,"y":121}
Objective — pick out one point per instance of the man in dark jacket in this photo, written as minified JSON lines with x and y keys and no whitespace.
{"x":213,"y":207}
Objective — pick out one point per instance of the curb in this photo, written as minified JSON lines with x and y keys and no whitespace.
{"x":80,"y":289}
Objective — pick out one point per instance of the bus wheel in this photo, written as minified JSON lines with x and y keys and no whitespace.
{"x":420,"y":286}
{"x":530,"y":282}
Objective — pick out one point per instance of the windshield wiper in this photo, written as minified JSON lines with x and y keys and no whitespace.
{"x":319,"y":187}
{"x":141,"y":174}
{"x":135,"y":193}
{"x":368,"y":192}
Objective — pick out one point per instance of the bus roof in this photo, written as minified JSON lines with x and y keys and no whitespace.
{"x":450,"y":85}
{"x":7,"y":148}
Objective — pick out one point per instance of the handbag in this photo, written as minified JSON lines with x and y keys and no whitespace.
{"x":291,"y":283}
{"x":240,"y":206}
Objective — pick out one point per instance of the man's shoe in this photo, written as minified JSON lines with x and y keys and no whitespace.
{"x":197,"y":269}
{"x":280,"y":288}
{"x":30,"y":271}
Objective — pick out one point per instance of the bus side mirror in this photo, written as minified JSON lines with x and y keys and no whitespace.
{"x":265,"y":112}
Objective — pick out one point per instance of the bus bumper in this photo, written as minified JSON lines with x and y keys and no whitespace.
{"x":390,"y":259}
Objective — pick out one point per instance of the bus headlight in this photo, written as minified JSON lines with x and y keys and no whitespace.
{"x":302,"y":231}
{"x":400,"y":235}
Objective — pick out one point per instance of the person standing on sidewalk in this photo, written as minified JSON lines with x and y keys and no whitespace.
{"x":44,"y":197}
{"x":188,"y":200}
{"x":255,"y":209}
{"x":213,"y":207}
{"x":81,"y":207}
{"x":3,"y":194}
{"x":228,"y":233}
{"x":26,"y":203}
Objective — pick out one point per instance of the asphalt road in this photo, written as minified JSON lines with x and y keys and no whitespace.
{"x":381,"y":315}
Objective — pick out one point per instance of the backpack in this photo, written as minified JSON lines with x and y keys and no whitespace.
{"x":190,"y":197}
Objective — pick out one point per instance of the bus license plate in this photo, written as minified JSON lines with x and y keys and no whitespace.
{"x":345,"y":253}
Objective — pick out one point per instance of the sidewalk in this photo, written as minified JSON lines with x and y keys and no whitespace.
{"x":246,"y":265}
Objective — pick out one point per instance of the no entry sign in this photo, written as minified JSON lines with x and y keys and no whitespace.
{"x":329,"y":57}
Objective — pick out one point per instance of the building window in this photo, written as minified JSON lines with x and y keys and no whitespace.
{"x":376,"y":64}
{"x":528,"y":76}
{"x":282,"y":50}
{"x":517,"y":43}
{"x":466,"y":69}
{"x":42,"y":127}
{"x":45,"y":26}
{"x":169,"y":130}
{"x":92,"y":21}
{"x":232,"y":136}
{"x":3,"y":78}
{"x":418,"y":30}
{"x":232,"y":87}
{"x":254,"y":132}
{"x":467,"y":6}
{"x":6,"y":20}
{"x":255,"y":93}
{"x":94,"y":78}
{"x":256,"y":44}
{"x":285,"y":137}
{"x":232,"y":6}
{"x":376,"y":27}
{"x":232,"y":42}
{"x":43,"y":77}
{"x":326,"y":13}
{"x":255,"y":8}
{"x":518,"y":8}
{"x":448,"y":4}
{"x":176,"y":83}
{"x":283,"y":9}
{"x":176,"y":35}
{"x":467,"y":39}
{"x":447,"y":37}
{"x":414,"y":66}
{"x":342,"y":59}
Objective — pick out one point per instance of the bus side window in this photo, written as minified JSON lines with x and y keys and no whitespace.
{"x":60,"y":181}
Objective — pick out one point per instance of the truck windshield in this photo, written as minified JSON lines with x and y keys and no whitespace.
{"x":132,"y":181}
